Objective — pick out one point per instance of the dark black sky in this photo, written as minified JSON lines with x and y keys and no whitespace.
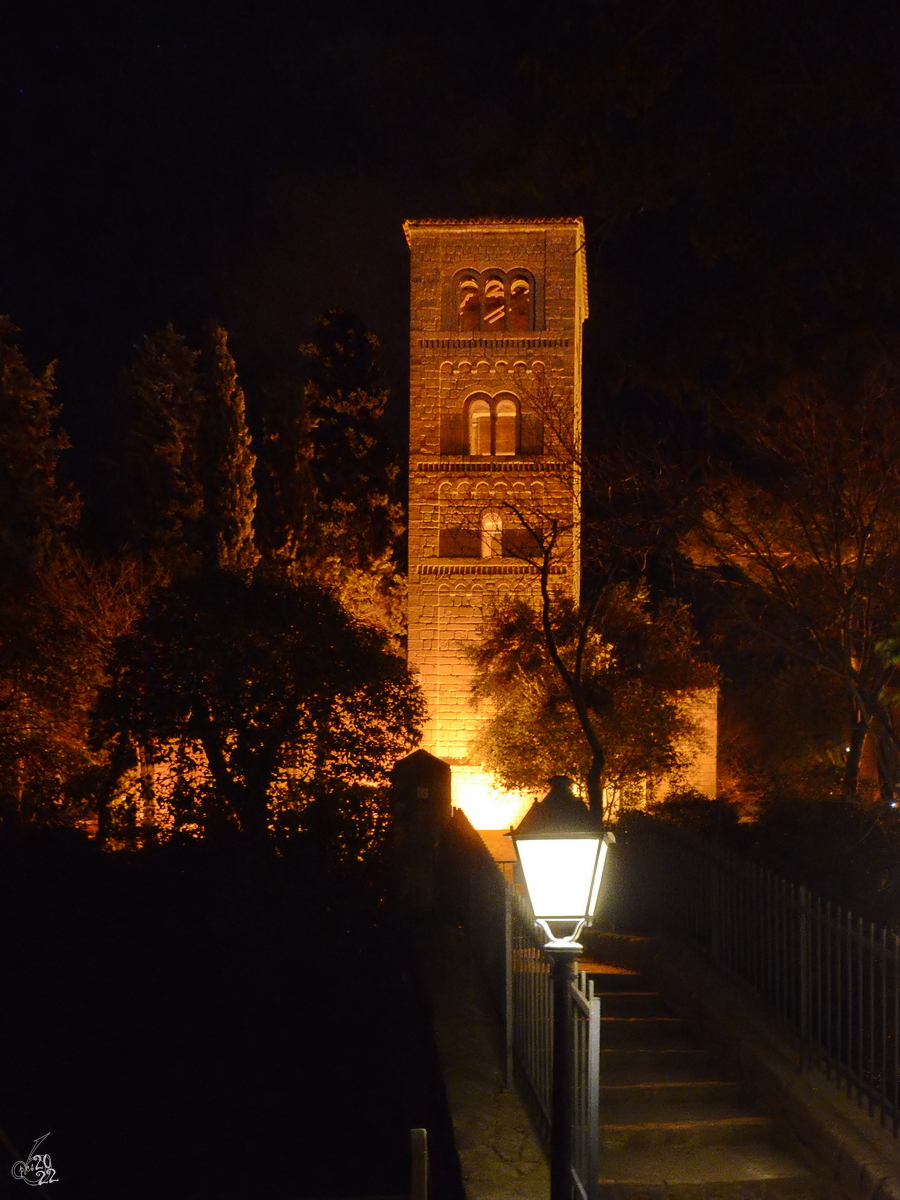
{"x":254,"y":161}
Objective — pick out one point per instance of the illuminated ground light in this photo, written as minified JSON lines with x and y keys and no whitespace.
{"x":485,"y":803}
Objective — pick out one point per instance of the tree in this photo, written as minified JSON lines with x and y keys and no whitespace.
{"x":190,"y":493}
{"x":225,"y":462}
{"x":37,"y":743}
{"x":599,"y":693}
{"x":330,"y":510}
{"x":803,"y":545}
{"x":36,"y":509}
{"x":262,"y":703}
{"x":636,"y":498}
{"x":287,"y":530}
{"x":163,"y":492}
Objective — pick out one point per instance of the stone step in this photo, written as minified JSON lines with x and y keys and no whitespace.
{"x":756,"y":1171}
{"x":614,"y":979}
{"x":672,"y":1065}
{"x":619,"y":1111}
{"x":720,"y":1130}
{"x":643,"y":1032}
{"x":631,"y":1004}
{"x":718,"y":1091}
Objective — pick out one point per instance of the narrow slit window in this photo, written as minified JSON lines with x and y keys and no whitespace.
{"x":469,"y":311}
{"x":491,"y":534}
{"x":494,"y":305}
{"x":505,"y":433}
{"x":479,"y":427}
{"x":520,"y":310}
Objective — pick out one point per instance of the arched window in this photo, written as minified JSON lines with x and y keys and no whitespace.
{"x":480,"y":427}
{"x":492,"y":425}
{"x":491,"y":534}
{"x":468,"y":306}
{"x":520,"y":306}
{"x":505,"y":425}
{"x":494,"y":305}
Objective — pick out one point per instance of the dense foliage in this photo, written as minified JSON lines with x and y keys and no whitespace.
{"x":196,"y":679}
{"x":628,"y":671}
{"x":262,"y":706}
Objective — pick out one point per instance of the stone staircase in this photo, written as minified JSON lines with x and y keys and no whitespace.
{"x":673,"y":1126}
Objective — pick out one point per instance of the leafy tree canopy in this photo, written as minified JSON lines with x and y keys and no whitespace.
{"x":35,"y":507}
{"x":188,"y":486}
{"x":330,"y":508}
{"x":263,"y":705}
{"x":635,"y":668}
{"x":803,"y":545}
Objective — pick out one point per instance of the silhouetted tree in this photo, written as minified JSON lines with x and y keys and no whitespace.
{"x":287,"y":529}
{"x":261,"y":702}
{"x":164,"y":494}
{"x":225,"y":461}
{"x":35,"y":507}
{"x":329,"y":508}
{"x":190,"y":493}
{"x":60,"y":611}
{"x":803,"y":542}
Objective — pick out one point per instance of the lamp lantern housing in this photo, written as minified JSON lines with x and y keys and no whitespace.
{"x":562,"y":850}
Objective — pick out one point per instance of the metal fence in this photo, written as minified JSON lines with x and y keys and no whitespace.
{"x":832,"y":979}
{"x":507,"y":948}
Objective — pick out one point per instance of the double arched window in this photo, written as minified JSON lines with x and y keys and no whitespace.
{"x":493,"y":301}
{"x":492,"y":425}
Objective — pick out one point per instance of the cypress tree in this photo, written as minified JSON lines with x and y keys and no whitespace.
{"x":163,"y":495}
{"x":34,"y":508}
{"x":225,"y":462}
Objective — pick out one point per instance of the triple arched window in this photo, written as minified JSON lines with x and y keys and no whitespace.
{"x":493,"y":301}
{"x":492,"y":425}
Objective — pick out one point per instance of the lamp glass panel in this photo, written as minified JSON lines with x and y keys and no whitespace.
{"x":559,"y":873}
{"x":598,"y":876}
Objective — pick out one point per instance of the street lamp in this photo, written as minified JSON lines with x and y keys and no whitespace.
{"x":561,"y":850}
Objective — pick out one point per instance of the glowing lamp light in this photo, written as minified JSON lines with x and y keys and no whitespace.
{"x":561,"y":850}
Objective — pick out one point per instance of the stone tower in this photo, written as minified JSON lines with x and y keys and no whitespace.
{"x":495,"y":422}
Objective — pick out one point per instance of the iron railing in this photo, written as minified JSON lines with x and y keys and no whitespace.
{"x":507,"y":948}
{"x":832,"y":979}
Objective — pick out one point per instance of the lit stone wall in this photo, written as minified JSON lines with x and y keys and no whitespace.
{"x":450,"y":594}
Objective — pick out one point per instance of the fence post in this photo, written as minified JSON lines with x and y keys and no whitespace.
{"x":508,"y":1015}
{"x":592,"y":1183}
{"x":418,"y":1183}
{"x":803,"y":982}
{"x":715,"y":922}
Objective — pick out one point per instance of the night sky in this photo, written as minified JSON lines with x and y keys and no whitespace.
{"x":736,"y":166}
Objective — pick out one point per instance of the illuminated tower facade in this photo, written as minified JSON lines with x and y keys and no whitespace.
{"x":497,"y":308}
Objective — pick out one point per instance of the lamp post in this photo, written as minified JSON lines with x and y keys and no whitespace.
{"x":561,"y":850}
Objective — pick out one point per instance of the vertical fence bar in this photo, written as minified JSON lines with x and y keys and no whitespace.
{"x":883,"y":996}
{"x":829,"y":947}
{"x":841,"y":997}
{"x":803,"y":980}
{"x":870,"y":1072}
{"x":895,"y":1051}
{"x":508,"y":1003}
{"x":852,"y":1003}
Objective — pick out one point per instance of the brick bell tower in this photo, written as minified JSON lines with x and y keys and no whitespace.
{"x":497,"y":308}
